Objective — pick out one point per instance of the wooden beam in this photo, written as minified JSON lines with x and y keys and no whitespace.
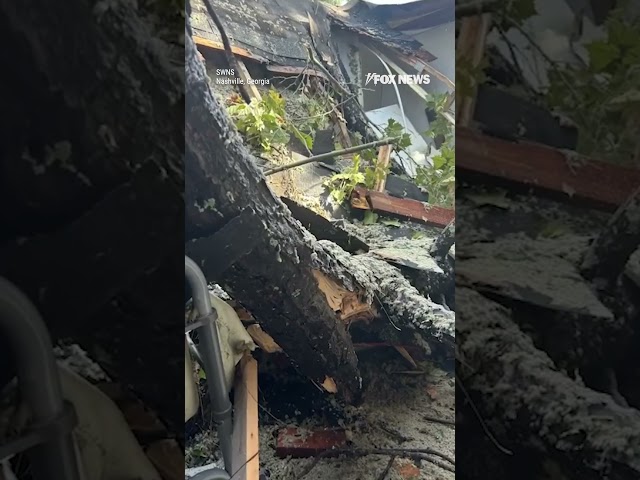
{"x":470,"y":48}
{"x":288,"y":70}
{"x":384,"y":157}
{"x":246,"y":441}
{"x":248,"y":81}
{"x":205,"y":43}
{"x":364,"y":199}
{"x":535,"y":165}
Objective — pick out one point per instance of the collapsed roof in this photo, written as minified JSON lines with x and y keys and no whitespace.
{"x":277,"y":31}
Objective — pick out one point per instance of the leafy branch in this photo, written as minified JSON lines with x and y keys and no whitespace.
{"x":264,"y":122}
{"x":602,"y":98}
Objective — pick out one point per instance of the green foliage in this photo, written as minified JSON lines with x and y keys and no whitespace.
{"x":603,"y":98}
{"x":342,"y":184}
{"x":365,"y":169}
{"x":439,"y":179}
{"x":370,"y":217}
{"x":440,"y":126}
{"x":263,"y":122}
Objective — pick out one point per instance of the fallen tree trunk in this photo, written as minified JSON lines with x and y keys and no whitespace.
{"x":531,"y":405}
{"x":301,"y":291}
{"x":275,"y":281}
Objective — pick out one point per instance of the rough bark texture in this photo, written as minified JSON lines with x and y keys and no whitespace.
{"x":275,"y":281}
{"x":97,"y":96}
{"x":606,"y":259}
{"x":405,"y":306}
{"x":528,"y":402}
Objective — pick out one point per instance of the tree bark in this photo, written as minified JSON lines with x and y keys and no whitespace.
{"x":419,"y":319}
{"x":276,"y":280}
{"x":530,"y":404}
{"x":91,"y":186}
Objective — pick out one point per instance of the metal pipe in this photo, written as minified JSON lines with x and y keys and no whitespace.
{"x":335,"y":153}
{"x":212,"y":358}
{"x":39,"y":382}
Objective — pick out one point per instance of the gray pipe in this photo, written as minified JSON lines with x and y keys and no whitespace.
{"x":39,"y":382}
{"x":212,"y":357}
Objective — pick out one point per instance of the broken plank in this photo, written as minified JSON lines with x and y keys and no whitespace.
{"x":534,"y":165}
{"x":403,"y":207}
{"x":298,"y":443}
{"x":245,"y":459}
{"x":288,"y":70}
{"x":248,"y":81}
{"x":263,"y":339}
{"x":214,"y":45}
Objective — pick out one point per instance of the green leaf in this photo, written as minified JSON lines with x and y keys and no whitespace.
{"x":602,"y":54}
{"x":390,"y":222}
{"x":439,"y":162}
{"x":370,"y":217}
{"x":303,"y":137}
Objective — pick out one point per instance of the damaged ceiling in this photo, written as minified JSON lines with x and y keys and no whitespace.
{"x":277,"y":31}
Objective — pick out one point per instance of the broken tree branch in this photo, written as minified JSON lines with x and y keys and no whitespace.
{"x":275,"y":281}
{"x":335,"y":153}
{"x":607,"y":256}
{"x":231,"y":58}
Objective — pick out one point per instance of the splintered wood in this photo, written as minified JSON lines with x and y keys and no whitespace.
{"x":346,"y":304}
{"x":263,"y":339}
{"x":245,"y":459}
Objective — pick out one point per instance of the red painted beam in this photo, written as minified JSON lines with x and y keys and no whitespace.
{"x":544,"y":167}
{"x":298,"y":443}
{"x":403,"y":207}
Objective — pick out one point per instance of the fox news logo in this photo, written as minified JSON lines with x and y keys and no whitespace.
{"x":404,"y":79}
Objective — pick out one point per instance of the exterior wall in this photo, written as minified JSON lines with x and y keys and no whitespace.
{"x":440,"y":41}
